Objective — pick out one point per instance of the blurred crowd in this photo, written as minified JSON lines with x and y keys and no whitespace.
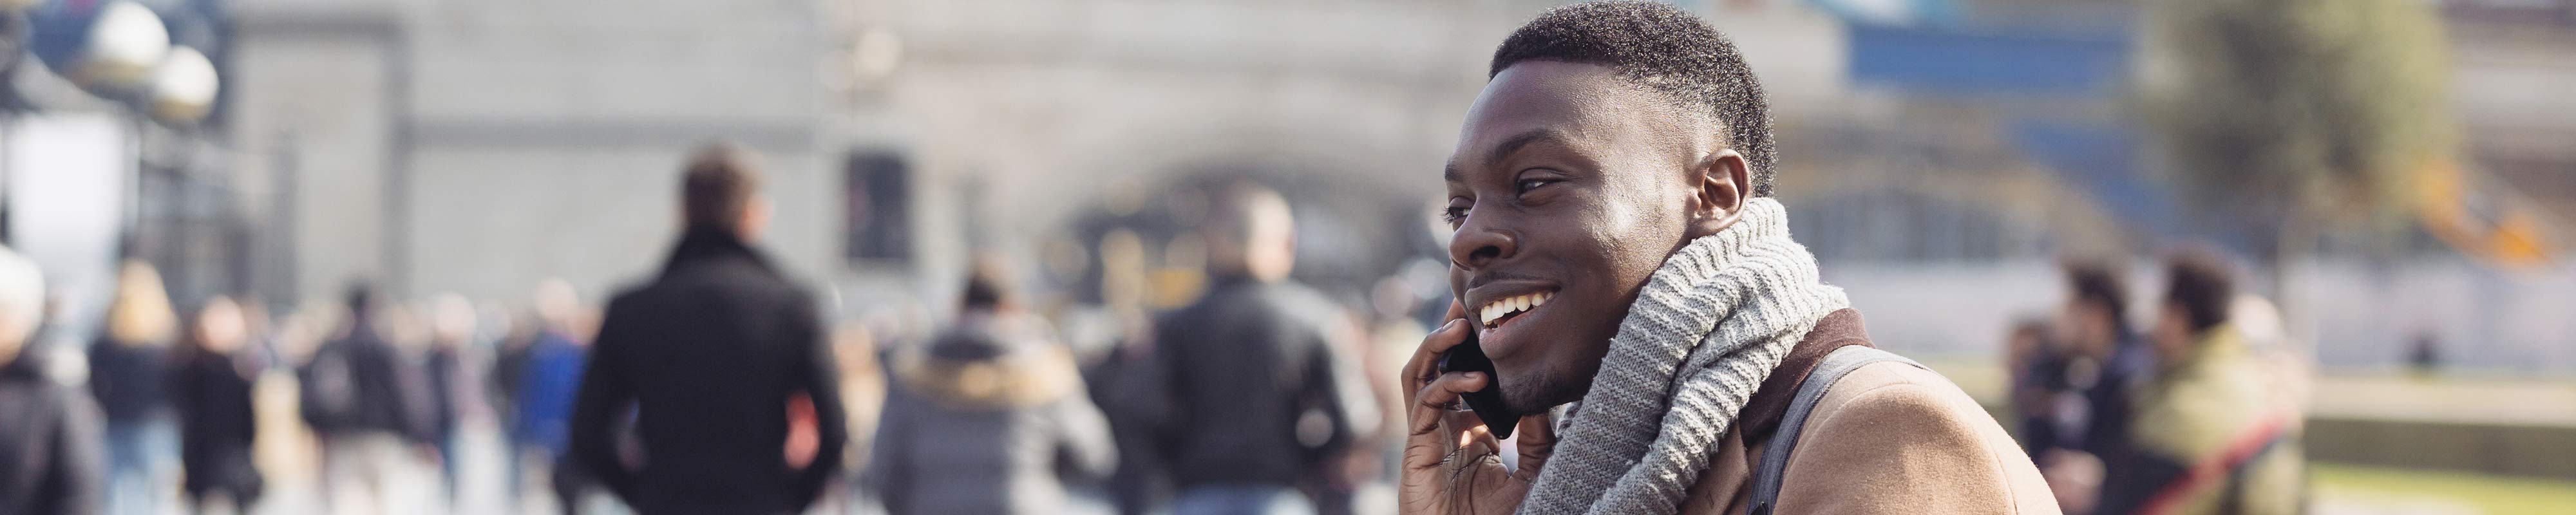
{"x":2199,"y":410}
{"x":721,"y":385}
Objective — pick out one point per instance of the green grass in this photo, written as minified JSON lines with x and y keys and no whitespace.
{"x":2476,"y":493}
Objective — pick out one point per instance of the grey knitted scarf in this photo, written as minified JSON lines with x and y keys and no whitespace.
{"x":1703,"y":334}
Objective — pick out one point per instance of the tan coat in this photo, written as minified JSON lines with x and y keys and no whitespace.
{"x":1888,"y":438}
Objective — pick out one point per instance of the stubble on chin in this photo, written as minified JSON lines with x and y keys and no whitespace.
{"x":1539,"y":394}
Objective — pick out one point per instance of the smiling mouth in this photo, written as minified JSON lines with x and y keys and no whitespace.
{"x":1493,"y":314}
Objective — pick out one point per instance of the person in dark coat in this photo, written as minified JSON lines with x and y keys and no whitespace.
{"x":1245,"y":367}
{"x":455,"y":384}
{"x":51,"y":460}
{"x":212,"y":390}
{"x":128,"y":365}
{"x":991,"y":418}
{"x":371,"y":407}
{"x":708,"y":359}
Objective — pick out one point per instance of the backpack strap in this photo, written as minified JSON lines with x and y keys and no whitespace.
{"x":1775,"y":457}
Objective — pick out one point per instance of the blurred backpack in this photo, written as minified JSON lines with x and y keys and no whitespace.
{"x":328,"y":392}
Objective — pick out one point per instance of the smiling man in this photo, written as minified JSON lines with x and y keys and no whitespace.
{"x":1617,"y":250}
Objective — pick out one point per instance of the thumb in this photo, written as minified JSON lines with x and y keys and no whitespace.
{"x":1537,"y":441}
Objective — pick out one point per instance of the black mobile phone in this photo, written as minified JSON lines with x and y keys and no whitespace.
{"x":1488,"y":402}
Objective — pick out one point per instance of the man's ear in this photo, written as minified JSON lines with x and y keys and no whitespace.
{"x":1721,"y":185}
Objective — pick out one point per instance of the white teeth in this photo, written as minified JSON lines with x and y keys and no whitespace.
{"x":1498,"y":309}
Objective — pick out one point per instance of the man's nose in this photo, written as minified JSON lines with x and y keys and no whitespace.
{"x":1477,"y":245}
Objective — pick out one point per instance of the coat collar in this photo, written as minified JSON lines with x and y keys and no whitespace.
{"x":707,"y":244}
{"x":1763,"y":412}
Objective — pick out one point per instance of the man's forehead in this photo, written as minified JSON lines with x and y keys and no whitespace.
{"x":1539,"y":94}
{"x":1569,"y":103}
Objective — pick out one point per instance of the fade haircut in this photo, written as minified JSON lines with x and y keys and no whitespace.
{"x":1664,"y":49}
{"x":718,"y":186}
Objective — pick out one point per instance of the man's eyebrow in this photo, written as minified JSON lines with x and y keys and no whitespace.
{"x":1505,"y":150}
{"x":1514,"y":143}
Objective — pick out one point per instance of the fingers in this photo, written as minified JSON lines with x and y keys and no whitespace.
{"x":1425,"y":363}
{"x":1440,"y":398}
{"x":1537,"y":441}
{"x":1474,"y":440}
{"x":1434,"y":430}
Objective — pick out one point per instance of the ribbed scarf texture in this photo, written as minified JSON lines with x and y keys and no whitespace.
{"x":1704,"y":332}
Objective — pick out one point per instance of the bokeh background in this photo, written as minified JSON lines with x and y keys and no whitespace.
{"x":2398,"y":177}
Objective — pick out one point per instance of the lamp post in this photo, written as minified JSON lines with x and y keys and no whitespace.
{"x":13,"y":44}
{"x":122,"y":51}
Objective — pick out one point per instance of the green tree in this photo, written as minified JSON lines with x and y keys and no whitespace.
{"x":2282,"y":117}
{"x":2286,"y":117}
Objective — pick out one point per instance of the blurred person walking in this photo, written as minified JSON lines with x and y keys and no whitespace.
{"x":2210,"y":434}
{"x":991,"y":417}
{"x":128,"y":367}
{"x":2036,"y":371}
{"x":1255,"y":399}
{"x":455,"y":384}
{"x":509,"y":370}
{"x":863,"y":394}
{"x":709,"y":358}
{"x":51,"y":460}
{"x":216,"y":420}
{"x":2110,"y":361}
{"x":549,"y":370}
{"x":2048,"y":407}
{"x":370,"y":406}
{"x":1139,"y":486}
{"x":2103,"y":362}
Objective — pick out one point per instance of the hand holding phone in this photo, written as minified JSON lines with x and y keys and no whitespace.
{"x":1488,"y":402}
{"x":1448,"y":469}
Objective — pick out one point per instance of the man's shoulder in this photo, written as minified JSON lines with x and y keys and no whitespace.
{"x":1901,"y":418}
{"x":720,"y":285}
{"x":43,"y":401}
{"x":1896,"y":389}
{"x":1283,"y":299}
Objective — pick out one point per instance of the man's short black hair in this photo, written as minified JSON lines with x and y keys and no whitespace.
{"x":2097,"y":281}
{"x":988,"y":284}
{"x":2200,"y":284}
{"x":718,"y":185}
{"x":360,"y":296}
{"x":1660,"y":47}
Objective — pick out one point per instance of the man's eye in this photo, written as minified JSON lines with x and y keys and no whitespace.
{"x":1530,"y":184}
{"x":1453,"y":215}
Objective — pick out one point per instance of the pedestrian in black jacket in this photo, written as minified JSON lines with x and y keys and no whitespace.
{"x":709,"y":357}
{"x":212,"y":390}
{"x":370,"y":404}
{"x":128,"y":365}
{"x":455,"y":384}
{"x":51,"y":460}
{"x":1244,"y":369}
